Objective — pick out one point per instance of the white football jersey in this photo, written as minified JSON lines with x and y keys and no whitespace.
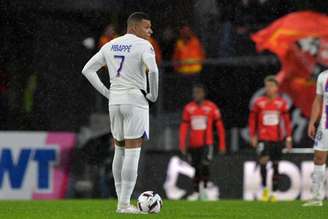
{"x":322,"y":89}
{"x":124,"y":59}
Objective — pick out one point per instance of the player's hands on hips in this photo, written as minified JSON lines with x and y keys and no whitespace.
{"x":107,"y":94}
{"x":289,"y":143}
{"x":149,"y":97}
{"x":254,"y":141}
{"x":311,"y":131}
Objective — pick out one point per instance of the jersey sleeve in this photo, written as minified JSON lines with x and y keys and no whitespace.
{"x":216,"y":113}
{"x":184,"y":126}
{"x":185,"y":115}
{"x":252,"y":120}
{"x":148,"y":57}
{"x":320,"y":87}
{"x":284,"y":107}
{"x":219,"y":128}
{"x":90,"y":72}
{"x":286,"y":119}
{"x":95,"y":63}
{"x":148,"y":51}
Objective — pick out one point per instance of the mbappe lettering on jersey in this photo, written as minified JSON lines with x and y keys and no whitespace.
{"x":121,"y":48}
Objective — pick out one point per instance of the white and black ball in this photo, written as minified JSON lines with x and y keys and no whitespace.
{"x":150,"y":202}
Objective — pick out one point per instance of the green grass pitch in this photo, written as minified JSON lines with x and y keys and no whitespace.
{"x":101,"y":209}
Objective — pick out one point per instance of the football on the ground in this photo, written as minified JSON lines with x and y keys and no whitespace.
{"x":150,"y":202}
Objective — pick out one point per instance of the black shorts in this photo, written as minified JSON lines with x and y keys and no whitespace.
{"x":271,"y":149}
{"x":200,"y":156}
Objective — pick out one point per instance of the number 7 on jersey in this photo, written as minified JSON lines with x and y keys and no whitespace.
{"x":121,"y":59}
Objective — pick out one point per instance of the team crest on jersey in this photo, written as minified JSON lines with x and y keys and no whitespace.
{"x":192,"y":109}
{"x":206,"y":109}
{"x":262,"y":104}
{"x":278,"y":103}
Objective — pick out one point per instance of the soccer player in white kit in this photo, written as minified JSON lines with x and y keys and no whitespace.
{"x":320,"y":136}
{"x":128,"y":59}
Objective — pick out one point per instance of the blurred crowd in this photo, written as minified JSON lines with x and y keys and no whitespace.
{"x":187,"y":35}
{"x":187,"y":53}
{"x":216,"y":29}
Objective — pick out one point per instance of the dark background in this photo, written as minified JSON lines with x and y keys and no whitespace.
{"x":45,"y":38}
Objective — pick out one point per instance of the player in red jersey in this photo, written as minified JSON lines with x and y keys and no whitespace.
{"x":199,"y":117}
{"x":267,"y":115}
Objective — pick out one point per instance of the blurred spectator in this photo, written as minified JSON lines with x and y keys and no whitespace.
{"x":108,"y":35}
{"x":167,"y":42}
{"x":188,"y":53}
{"x":206,"y":15}
{"x":157,"y":49}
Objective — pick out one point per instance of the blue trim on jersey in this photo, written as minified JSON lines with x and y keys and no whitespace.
{"x":145,"y":136}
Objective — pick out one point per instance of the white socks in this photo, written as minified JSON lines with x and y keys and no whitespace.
{"x":318,"y":178}
{"x":117,"y":169}
{"x":128,"y":175}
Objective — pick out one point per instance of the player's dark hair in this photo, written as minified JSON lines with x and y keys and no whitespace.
{"x":137,"y":17}
{"x":201,"y":86}
{"x":271,"y":78}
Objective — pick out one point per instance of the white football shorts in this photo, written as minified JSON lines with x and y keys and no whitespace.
{"x":321,"y":140}
{"x":129,"y":121}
